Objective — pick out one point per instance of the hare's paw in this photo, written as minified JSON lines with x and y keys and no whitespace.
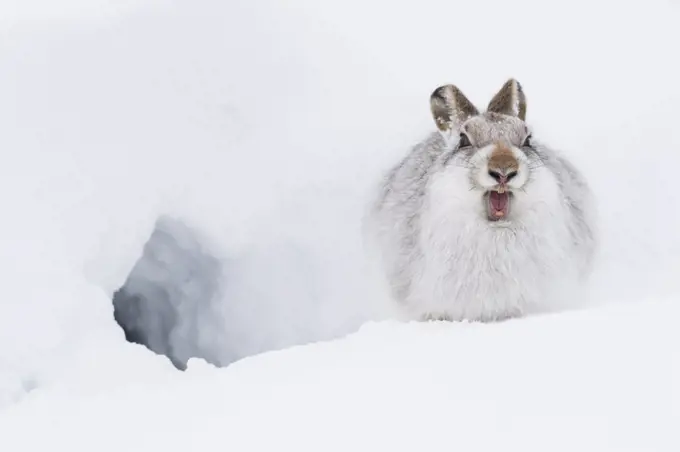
{"x":435,"y":317}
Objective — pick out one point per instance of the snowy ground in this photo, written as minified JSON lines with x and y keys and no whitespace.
{"x":259,"y":128}
{"x":596,"y":381}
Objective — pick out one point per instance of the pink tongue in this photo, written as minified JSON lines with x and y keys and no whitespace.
{"x":499,"y":201}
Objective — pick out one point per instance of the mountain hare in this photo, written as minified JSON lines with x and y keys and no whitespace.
{"x":480,"y":221}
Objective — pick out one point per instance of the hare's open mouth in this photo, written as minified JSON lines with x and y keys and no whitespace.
{"x":498,"y":204}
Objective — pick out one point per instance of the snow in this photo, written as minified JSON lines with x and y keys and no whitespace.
{"x":252,"y":133}
{"x":575,"y":381}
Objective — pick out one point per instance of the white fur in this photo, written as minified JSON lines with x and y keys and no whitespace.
{"x":480,"y":270}
{"x":515,"y":98}
{"x":444,"y":259}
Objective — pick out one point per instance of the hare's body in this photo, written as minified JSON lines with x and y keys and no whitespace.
{"x":444,"y":249}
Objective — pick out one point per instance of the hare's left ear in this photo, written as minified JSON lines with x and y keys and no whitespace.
{"x":510,"y":100}
{"x":450,"y":108}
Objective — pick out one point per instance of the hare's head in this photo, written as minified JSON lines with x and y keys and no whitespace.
{"x":495,"y":145}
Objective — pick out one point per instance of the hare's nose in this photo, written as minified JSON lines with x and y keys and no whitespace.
{"x":501,"y":176}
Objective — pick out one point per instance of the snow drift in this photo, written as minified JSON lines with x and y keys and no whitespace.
{"x":261,"y":127}
{"x":575,"y":381}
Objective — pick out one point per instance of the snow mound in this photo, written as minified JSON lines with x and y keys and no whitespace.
{"x":599,"y":380}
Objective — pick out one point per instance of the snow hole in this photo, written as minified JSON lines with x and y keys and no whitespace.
{"x":168,"y":293}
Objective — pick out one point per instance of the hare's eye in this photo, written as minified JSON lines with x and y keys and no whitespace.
{"x":527,"y":142}
{"x":464,"y":141}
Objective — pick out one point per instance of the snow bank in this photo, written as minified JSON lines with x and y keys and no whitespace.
{"x":599,"y":380}
{"x":111,"y":125}
{"x":262,"y":126}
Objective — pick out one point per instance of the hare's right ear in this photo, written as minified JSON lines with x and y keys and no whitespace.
{"x":450,"y":108}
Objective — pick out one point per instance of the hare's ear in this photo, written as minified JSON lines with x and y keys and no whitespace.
{"x":510,"y":100}
{"x":450,"y":108}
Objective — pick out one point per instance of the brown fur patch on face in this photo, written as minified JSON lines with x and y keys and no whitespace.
{"x":502,"y":159}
